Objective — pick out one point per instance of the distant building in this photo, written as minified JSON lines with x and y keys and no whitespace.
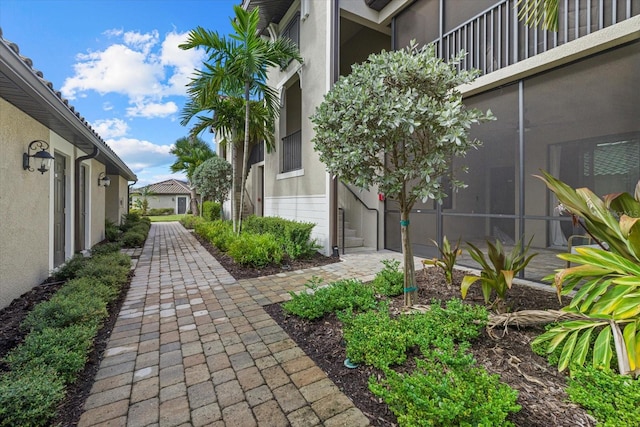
{"x":170,"y":194}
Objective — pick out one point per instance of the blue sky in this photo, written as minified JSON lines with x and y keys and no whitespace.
{"x":118,"y":64}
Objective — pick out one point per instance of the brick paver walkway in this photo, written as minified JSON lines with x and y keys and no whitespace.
{"x":194,"y":347}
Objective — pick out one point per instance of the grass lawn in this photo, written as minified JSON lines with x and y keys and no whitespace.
{"x":165,"y":218}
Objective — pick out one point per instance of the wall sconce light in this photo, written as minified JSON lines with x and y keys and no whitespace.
{"x":103,"y":180}
{"x":41,"y":156}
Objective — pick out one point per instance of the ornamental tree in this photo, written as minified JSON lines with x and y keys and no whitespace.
{"x":213,"y":179}
{"x":395,"y":123}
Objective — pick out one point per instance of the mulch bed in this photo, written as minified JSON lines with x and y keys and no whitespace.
{"x":504,"y":352}
{"x":507,"y":353}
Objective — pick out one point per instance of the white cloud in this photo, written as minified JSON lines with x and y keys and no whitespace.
{"x":141,"y":67}
{"x":140,"y":154}
{"x":111,"y":128}
{"x":152,"y":110}
{"x":116,"y":69}
{"x":182,"y":62}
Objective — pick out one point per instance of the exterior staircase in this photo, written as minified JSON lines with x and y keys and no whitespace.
{"x":351,"y":239}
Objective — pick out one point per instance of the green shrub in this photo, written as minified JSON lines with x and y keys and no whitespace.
{"x":111,"y":231}
{"x":294,"y":236}
{"x":108,"y":273}
{"x":211,"y":210}
{"x":374,"y":338}
{"x":106,"y":248}
{"x":257,"y":250}
{"x":29,"y":398}
{"x":614,"y":400}
{"x":64,"y":350}
{"x":436,"y":395}
{"x":219,"y":233}
{"x":88,"y":286}
{"x":390,"y":280}
{"x":161,"y":211}
{"x":190,"y":221}
{"x":66,"y":310}
{"x":347,"y":294}
{"x":114,"y":258}
{"x":69,"y":269}
{"x":132,"y":239}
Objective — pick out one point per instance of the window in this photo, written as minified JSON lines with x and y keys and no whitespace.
{"x":292,"y":32}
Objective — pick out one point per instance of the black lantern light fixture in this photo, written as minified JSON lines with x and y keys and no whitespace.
{"x":103,"y":180}
{"x":42,"y":157}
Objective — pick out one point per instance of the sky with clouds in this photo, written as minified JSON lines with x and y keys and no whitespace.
{"x":118,"y":63}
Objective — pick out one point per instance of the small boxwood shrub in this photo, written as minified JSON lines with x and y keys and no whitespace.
{"x":65,"y":310}
{"x":189,"y":221}
{"x":61,"y":349}
{"x":88,"y":286}
{"x":347,"y":294}
{"x":111,"y":231}
{"x":29,"y":398}
{"x":211,"y":210}
{"x":161,"y":211}
{"x":436,"y":395}
{"x":390,"y":280}
{"x":106,"y":248}
{"x":69,"y":269}
{"x":219,"y":233}
{"x":256,"y":250}
{"x":613,"y":399}
{"x":294,"y":236}
{"x":132,"y":239}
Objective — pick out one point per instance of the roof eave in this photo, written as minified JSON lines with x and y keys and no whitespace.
{"x":16,"y":70}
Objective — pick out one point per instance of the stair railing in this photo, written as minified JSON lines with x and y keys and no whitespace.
{"x":367,"y":208}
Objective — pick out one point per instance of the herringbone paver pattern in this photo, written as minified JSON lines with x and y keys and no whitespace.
{"x":193,"y":347}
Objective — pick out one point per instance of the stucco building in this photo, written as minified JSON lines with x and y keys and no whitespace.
{"x":48,"y":216}
{"x":169,"y":194}
{"x":567,"y":102}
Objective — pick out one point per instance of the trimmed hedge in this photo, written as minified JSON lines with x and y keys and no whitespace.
{"x":61,"y":337}
{"x":190,"y":221}
{"x":161,"y":211}
{"x":211,"y":210}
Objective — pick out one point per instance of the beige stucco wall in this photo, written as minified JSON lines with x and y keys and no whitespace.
{"x":116,"y":199}
{"x":313,"y":76}
{"x":24,"y":203}
{"x":164,"y":201}
{"x":98,"y":205}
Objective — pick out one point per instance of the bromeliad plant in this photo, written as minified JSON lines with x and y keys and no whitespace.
{"x":447,"y":260}
{"x":498,"y":271}
{"x":609,"y":295}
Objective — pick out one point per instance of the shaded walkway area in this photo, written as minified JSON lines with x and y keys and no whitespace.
{"x":194,"y":347}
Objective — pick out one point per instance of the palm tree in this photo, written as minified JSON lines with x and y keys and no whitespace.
{"x":227,"y":119}
{"x":536,"y":12}
{"x":239,"y":64}
{"x":190,"y":153}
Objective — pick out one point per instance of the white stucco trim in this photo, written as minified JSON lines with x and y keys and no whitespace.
{"x":292,"y":174}
{"x":311,"y":208}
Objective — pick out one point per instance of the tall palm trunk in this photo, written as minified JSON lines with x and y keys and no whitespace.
{"x":194,"y":200}
{"x":245,"y":155}
{"x":234,"y":209}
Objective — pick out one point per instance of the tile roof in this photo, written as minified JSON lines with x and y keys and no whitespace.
{"x":170,"y":186}
{"x":27,"y":89}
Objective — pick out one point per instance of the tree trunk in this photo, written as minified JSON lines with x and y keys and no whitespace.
{"x":234,"y":162}
{"x":245,"y":155}
{"x":194,"y":201}
{"x":410,"y":289}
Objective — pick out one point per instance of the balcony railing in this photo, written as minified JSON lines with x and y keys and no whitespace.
{"x":292,"y":152}
{"x":496,"y":38}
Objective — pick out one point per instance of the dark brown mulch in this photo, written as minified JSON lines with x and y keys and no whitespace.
{"x":11,"y":335}
{"x":506,"y":353}
{"x":243,"y":272}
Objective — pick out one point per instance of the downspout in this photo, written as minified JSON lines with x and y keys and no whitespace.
{"x":335,"y":73}
{"x":129,"y":193}
{"x":76,"y":182}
